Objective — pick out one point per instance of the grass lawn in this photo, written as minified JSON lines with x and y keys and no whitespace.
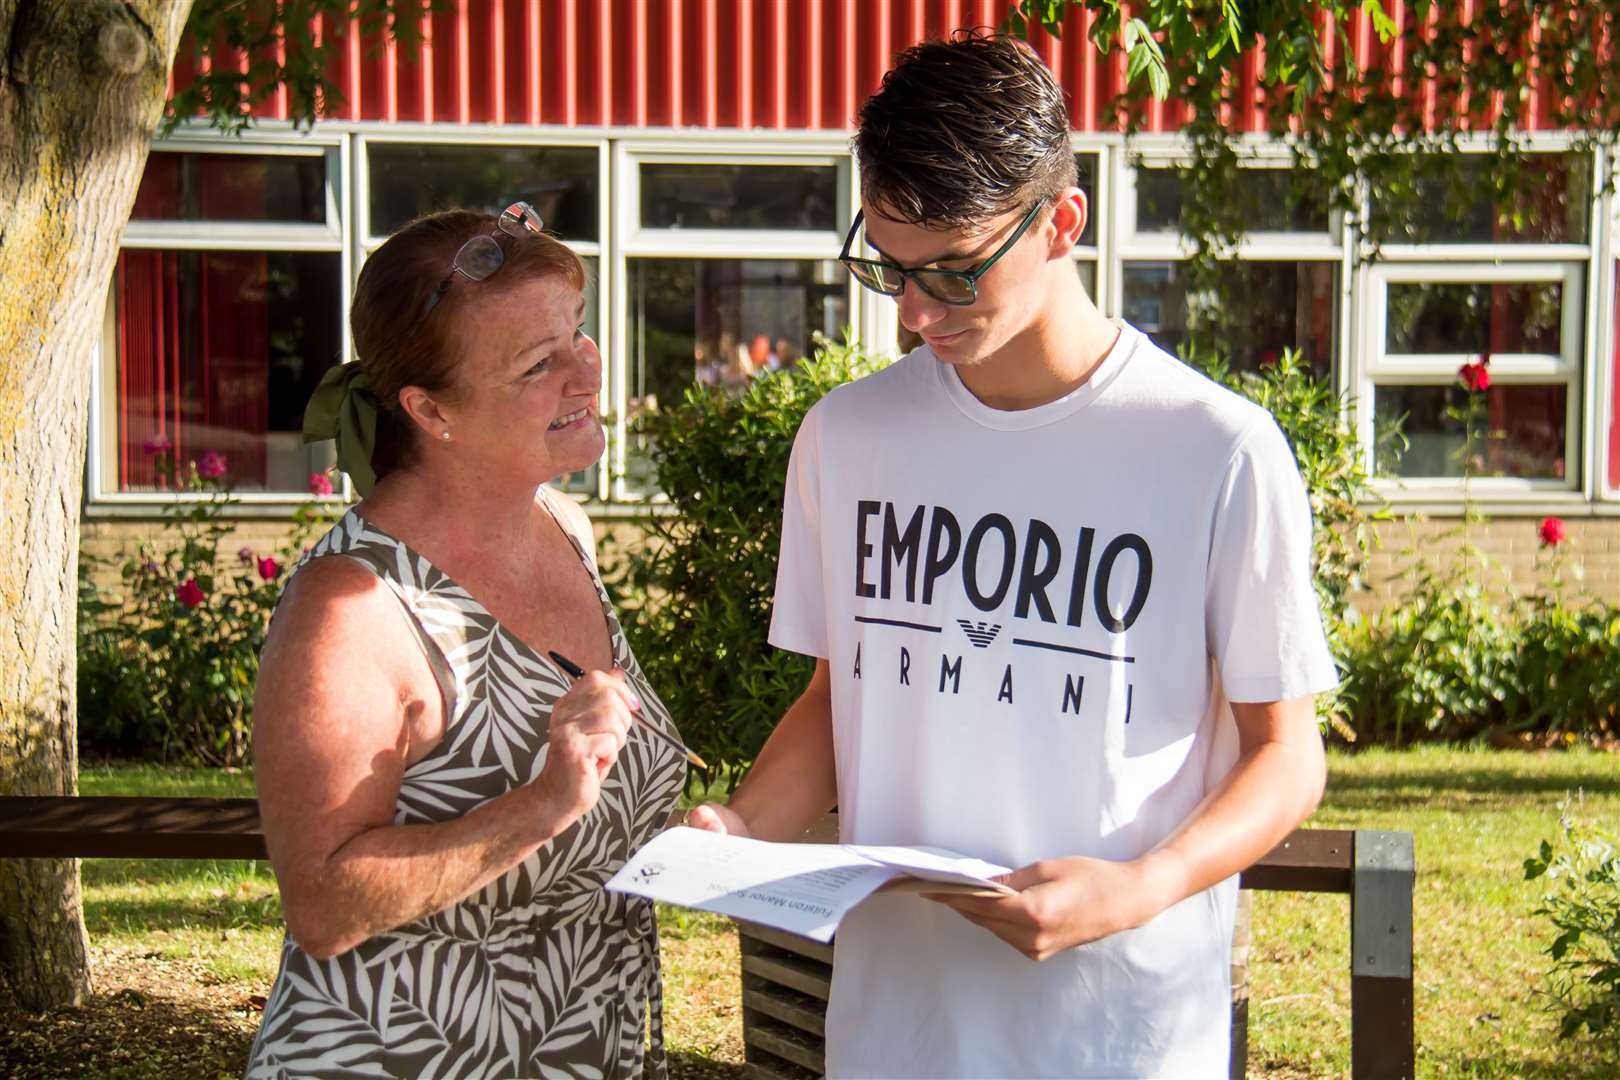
{"x":184,"y":951}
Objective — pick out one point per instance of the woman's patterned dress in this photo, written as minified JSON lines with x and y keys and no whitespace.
{"x":540,"y":973}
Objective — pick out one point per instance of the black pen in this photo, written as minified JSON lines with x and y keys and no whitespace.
{"x":574,"y":671}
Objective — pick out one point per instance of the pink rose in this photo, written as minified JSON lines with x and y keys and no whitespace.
{"x":244,"y":556}
{"x":269,"y":568}
{"x":154,"y":447}
{"x":190,"y":594}
{"x":320,"y":484}
{"x":1552,"y":531}
{"x":211,"y":466}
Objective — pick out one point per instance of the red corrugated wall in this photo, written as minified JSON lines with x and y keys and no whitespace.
{"x":775,"y":64}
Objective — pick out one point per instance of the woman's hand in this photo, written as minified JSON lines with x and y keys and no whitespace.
{"x":589,"y":725}
{"x":712,"y":817}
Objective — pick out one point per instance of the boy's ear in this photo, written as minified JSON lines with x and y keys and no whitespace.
{"x":1070,"y":212}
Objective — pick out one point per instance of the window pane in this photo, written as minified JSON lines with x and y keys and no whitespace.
{"x":584,"y":481}
{"x":1272,"y":200}
{"x":1474,"y":317}
{"x":219,"y":351}
{"x":1266,"y":307}
{"x":721,"y":322}
{"x":1520,"y":434}
{"x":1086,"y":166}
{"x":687,"y":196}
{"x":232,"y":187}
{"x":559,"y":181}
{"x":1456,"y":206}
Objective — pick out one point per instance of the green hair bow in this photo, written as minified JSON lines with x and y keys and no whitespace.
{"x":344,"y":408}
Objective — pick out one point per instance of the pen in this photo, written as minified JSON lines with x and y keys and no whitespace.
{"x":575,"y":671}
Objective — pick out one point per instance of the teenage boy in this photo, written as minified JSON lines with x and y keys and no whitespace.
{"x":1059,"y":589}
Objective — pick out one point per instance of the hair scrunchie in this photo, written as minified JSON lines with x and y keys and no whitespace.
{"x":344,"y":409}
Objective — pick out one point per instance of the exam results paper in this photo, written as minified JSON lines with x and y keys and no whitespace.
{"x":804,"y":889}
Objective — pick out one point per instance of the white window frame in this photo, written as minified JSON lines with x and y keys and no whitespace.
{"x":102,"y":499}
{"x":1605,"y":367}
{"x":1131,"y":245}
{"x":1101,"y":214}
{"x":630,"y":240}
{"x":1440,"y":369}
{"x":367,"y":241}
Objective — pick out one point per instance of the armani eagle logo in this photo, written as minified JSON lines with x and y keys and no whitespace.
{"x":980,"y":633}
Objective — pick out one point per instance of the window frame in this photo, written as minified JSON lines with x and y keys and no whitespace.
{"x":1382,"y":368}
{"x":631,"y":241}
{"x":102,"y":499}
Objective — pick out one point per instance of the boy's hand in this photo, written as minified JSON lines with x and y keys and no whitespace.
{"x":712,"y":817}
{"x":1062,"y":903}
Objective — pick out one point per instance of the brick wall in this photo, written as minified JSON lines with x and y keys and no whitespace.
{"x":1513,"y":546}
{"x":1511,"y":542}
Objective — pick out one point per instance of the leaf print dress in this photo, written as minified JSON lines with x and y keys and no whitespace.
{"x":541,"y":972}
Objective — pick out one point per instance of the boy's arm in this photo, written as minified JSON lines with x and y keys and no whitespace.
{"x":793,"y":782}
{"x":1276,"y":783}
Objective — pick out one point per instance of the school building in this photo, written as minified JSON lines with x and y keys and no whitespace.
{"x":695,"y":154}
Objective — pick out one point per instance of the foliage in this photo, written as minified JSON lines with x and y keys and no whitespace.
{"x":243,"y":51}
{"x":722,"y":459}
{"x":1455,"y":660}
{"x":167,"y":664}
{"x":1355,"y":130}
{"x":1312,"y":415}
{"x":1583,"y":873}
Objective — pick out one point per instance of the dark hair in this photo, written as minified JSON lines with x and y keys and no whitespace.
{"x":964,"y":130}
{"x":398,"y":343}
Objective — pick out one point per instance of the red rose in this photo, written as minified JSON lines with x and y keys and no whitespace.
{"x":190,"y":594}
{"x":269,"y":568}
{"x":211,"y":466}
{"x":1552,"y":531}
{"x":1476,"y":377}
{"x":320,"y":484}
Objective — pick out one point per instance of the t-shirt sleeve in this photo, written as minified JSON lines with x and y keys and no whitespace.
{"x":1262,"y":621}
{"x":799,"y":613}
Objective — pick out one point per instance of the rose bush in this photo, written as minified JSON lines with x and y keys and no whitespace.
{"x":168,"y":660}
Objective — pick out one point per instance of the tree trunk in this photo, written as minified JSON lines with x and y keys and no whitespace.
{"x":82,"y":86}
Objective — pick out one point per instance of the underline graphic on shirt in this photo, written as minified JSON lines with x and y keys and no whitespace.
{"x":1094,"y":654}
{"x":898,"y":622}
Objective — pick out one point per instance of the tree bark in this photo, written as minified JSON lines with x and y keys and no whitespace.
{"x":82,"y":86}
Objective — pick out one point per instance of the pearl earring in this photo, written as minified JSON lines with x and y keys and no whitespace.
{"x":444,"y":435}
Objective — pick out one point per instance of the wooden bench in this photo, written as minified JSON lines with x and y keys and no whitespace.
{"x":786,"y":978}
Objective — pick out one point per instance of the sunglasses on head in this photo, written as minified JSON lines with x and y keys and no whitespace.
{"x":480,"y":257}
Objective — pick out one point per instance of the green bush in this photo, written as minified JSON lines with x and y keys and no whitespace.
{"x":1582,"y":870}
{"x":695,"y":596}
{"x":1312,"y":416}
{"x":167,"y":662}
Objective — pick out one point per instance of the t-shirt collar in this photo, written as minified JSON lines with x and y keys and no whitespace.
{"x":1024,"y":419}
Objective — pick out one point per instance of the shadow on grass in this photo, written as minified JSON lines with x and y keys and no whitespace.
{"x":1467,"y":786}
{"x":94,"y":872}
{"x":125,"y":1035}
{"x":686,"y":1065}
{"x":168,"y":913}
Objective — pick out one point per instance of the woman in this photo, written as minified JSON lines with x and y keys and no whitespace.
{"x":441,"y":806}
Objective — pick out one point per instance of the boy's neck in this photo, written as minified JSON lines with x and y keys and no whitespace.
{"x":1051,"y":358}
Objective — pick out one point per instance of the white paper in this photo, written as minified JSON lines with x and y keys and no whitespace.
{"x":801,"y":888}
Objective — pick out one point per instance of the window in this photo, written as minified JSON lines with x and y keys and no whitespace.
{"x":407,"y":180}
{"x":226,"y":308}
{"x":729,"y":270}
{"x":1282,"y":291}
{"x":1527,"y":319}
{"x":1458,"y":209}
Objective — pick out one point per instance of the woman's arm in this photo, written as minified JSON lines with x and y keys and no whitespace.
{"x":345,"y":703}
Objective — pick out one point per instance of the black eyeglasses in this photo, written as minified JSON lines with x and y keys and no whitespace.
{"x":958,"y":287}
{"x":481,"y":256}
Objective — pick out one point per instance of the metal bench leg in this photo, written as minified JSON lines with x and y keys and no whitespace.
{"x":1381,"y":1037}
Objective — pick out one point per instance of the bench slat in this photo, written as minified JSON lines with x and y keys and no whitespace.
{"x":89,"y":826}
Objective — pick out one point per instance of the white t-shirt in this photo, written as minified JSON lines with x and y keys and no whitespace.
{"x":1029,"y":619}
